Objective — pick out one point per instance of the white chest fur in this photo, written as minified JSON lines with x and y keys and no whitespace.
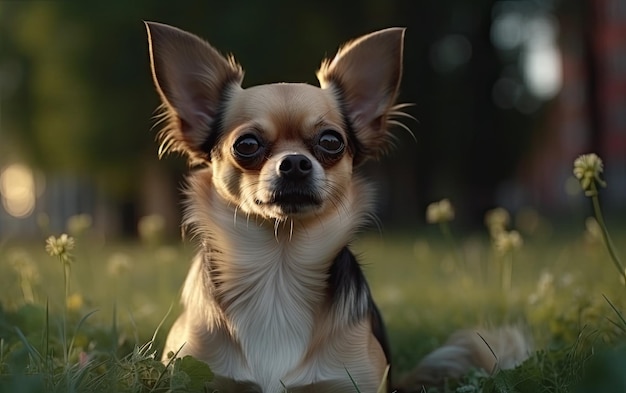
{"x":267,"y":284}
{"x":271,"y":294}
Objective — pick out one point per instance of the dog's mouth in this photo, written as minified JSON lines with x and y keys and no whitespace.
{"x":293,"y":202}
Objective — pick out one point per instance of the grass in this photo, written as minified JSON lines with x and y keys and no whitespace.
{"x":101,"y":330}
{"x":120,"y":292}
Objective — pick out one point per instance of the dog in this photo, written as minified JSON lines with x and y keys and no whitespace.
{"x":275,"y":300}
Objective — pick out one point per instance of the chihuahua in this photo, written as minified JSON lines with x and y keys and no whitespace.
{"x":275,"y":300}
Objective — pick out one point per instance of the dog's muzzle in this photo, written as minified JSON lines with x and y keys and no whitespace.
{"x":294,"y":190}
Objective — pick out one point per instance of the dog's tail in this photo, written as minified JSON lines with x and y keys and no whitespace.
{"x":490,"y":350}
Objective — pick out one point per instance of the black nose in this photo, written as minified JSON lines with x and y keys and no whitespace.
{"x":295,"y":166}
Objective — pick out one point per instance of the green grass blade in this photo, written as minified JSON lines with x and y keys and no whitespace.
{"x":114,"y":331}
{"x":382,"y":388}
{"x":497,"y":363}
{"x":166,"y":369}
{"x":619,"y":314}
{"x":352,"y":380}
{"x":31,"y":350}
{"x":46,"y":333}
{"x":78,"y":326}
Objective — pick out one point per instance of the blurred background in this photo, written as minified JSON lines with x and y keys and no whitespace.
{"x":507,"y":94}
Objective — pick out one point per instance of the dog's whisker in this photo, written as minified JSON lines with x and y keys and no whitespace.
{"x":373,"y":218}
{"x":276,"y":226}
{"x":339,"y":204}
{"x":404,"y":127}
{"x":397,"y":111}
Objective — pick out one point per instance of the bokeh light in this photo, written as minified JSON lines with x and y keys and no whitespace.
{"x":529,"y":35}
{"x":17,"y":188}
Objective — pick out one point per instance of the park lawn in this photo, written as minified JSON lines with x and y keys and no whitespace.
{"x":562,"y":291}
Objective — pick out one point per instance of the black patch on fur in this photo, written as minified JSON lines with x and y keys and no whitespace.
{"x":216,"y":128}
{"x":354,"y":144}
{"x":346,"y":281}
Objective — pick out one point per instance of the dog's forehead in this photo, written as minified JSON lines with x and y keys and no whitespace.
{"x":285,"y":105}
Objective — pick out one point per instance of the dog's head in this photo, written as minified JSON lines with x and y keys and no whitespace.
{"x":277,"y":150}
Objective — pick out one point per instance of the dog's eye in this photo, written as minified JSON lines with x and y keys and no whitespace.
{"x":247,"y":146}
{"x":331,"y":142}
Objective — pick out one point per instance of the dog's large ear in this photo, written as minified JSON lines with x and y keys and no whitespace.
{"x":193,"y":79}
{"x":365,"y":74}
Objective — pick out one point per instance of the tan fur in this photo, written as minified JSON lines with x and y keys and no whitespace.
{"x":288,"y":116}
{"x":289,"y":111}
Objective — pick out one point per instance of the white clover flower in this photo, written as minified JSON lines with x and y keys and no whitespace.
{"x":60,"y":247}
{"x":439,"y":212}
{"x":79,"y":224}
{"x":497,"y":220}
{"x":151,"y":228}
{"x":119,"y":264}
{"x":587,"y":169}
{"x":506,"y":242}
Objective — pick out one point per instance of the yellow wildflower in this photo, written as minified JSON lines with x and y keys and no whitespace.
{"x":439,"y":212}
{"x":497,"y":220}
{"x":587,"y":169}
{"x":74,"y":302}
{"x":506,"y":242}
